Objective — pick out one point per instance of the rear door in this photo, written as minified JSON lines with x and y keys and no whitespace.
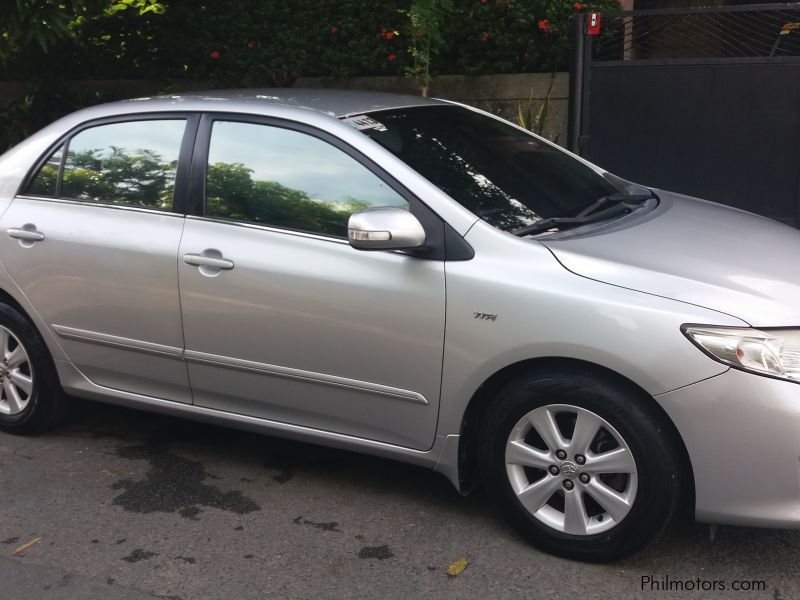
{"x":93,"y":241}
{"x":283,"y":319}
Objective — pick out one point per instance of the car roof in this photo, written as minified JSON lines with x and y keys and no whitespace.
{"x":335,"y":103}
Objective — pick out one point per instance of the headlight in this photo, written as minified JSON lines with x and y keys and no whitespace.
{"x":772,"y":352}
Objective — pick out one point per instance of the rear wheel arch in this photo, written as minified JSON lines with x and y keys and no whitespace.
{"x":37,"y":323}
{"x":484,"y":396}
{"x":42,"y":402}
{"x":7,"y":298}
{"x":10,"y":300}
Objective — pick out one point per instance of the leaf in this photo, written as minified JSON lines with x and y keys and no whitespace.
{"x":25,"y":546}
{"x":457,"y":567}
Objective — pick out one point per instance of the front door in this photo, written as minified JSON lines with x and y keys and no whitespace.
{"x":283,"y":319}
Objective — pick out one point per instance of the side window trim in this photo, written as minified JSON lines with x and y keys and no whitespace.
{"x":64,"y":149}
{"x":30,"y":176}
{"x":180,"y":197}
{"x":433,"y":224}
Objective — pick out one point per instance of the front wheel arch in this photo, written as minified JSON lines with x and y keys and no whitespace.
{"x":482,"y":399}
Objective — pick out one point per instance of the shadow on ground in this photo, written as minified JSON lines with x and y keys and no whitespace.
{"x":176,"y":481}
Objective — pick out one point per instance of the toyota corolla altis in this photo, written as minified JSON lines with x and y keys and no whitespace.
{"x":415,"y":279}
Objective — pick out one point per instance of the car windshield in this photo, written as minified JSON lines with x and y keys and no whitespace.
{"x":504,"y":175}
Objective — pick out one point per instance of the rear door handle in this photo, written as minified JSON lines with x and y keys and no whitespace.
{"x":25,"y":233}
{"x":204,"y":260}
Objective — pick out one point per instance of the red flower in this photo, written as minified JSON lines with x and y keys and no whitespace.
{"x":334,"y":29}
{"x":485,"y":36}
{"x":214,"y":54}
{"x":389,"y":35}
{"x":251,"y":45}
{"x":544,"y":25}
{"x":391,"y":57}
{"x":577,"y":6}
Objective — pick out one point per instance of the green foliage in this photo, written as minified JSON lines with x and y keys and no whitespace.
{"x":253,"y":42}
{"x":141,"y":6}
{"x":142,"y":179}
{"x":46,"y":23}
{"x":113,"y":39}
{"x":525,"y":111}
{"x":26,"y":22}
{"x":426,"y":24}
{"x":45,"y":182}
{"x":512,"y":36}
{"x":239,"y":43}
{"x":44,"y":101}
{"x":233,"y":194}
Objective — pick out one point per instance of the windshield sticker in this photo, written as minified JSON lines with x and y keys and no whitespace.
{"x":365,"y":122}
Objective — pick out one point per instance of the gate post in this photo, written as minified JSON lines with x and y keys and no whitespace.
{"x":577,"y":67}
{"x":579,"y":78}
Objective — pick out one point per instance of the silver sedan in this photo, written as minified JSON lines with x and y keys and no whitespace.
{"x":414,"y":279}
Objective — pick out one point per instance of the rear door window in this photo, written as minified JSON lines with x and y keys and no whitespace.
{"x":46,"y":179}
{"x":124,"y":164}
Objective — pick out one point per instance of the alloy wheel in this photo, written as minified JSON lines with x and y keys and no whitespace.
{"x":16,"y":374}
{"x":571,"y":469}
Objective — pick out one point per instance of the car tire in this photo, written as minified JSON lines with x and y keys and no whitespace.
{"x":591,"y":497}
{"x":31,"y":398}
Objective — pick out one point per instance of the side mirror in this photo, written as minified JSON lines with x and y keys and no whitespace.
{"x":386,"y":228}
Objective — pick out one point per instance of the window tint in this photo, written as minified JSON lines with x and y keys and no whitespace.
{"x":44,"y":183}
{"x":505,"y":176}
{"x":284,"y":178}
{"x":128,"y":164}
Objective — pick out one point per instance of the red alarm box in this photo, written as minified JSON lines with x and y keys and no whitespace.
{"x":593,"y":23}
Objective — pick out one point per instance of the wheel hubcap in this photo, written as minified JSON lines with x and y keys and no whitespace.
{"x":571,"y":469}
{"x":16,"y":374}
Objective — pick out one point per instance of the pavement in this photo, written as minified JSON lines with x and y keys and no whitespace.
{"x":120,"y":504}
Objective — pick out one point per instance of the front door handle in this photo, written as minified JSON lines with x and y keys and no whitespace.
{"x":209,"y":258}
{"x":26,"y":232}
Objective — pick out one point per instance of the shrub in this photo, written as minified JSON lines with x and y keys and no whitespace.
{"x":253,"y":42}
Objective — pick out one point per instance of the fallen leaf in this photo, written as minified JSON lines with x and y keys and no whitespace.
{"x":27,"y":545}
{"x":457,"y":567}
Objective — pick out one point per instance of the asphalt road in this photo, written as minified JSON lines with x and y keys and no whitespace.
{"x":127,"y":505}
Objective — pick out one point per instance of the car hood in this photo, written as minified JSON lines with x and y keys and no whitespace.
{"x":699,"y":252}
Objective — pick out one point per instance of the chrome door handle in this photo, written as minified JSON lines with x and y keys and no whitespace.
{"x":201,"y":260}
{"x":30,"y":235}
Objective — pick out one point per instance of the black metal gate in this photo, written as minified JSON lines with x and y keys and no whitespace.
{"x":705,"y":102}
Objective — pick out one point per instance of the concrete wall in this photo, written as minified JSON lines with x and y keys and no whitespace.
{"x":500,"y":94}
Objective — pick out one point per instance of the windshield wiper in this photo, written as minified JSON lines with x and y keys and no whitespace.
{"x":614,"y":198}
{"x":619,"y":206}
